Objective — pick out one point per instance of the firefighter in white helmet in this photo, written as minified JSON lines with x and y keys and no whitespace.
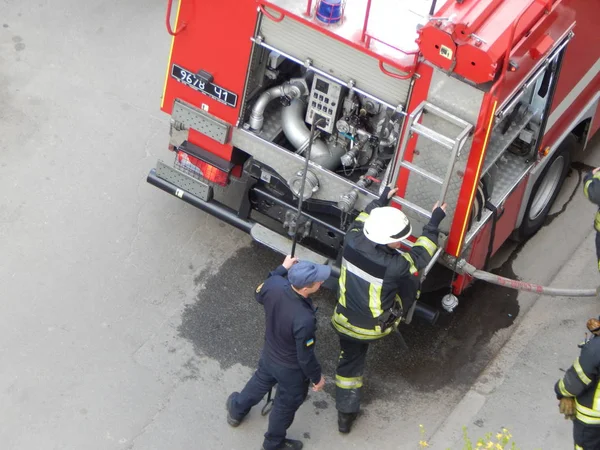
{"x":377,"y":286}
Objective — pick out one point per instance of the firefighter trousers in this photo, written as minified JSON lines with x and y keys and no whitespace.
{"x":349,"y":374}
{"x":586,"y":437}
{"x":292,"y":389}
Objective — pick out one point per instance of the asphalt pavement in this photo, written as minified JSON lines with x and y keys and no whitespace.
{"x":128,"y":316}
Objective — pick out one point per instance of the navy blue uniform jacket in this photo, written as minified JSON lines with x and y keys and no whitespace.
{"x":291,"y":324}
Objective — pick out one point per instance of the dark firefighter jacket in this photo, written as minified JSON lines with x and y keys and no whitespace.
{"x":374,"y":278}
{"x":291,"y":324}
{"x":582,"y":382}
{"x":591,"y":189}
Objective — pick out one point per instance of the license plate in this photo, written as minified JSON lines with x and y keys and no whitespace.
{"x":195,"y":82}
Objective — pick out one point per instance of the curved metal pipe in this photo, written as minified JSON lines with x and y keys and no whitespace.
{"x":257,"y":116}
{"x":296,"y":132}
{"x":391,"y":140}
{"x":291,"y":89}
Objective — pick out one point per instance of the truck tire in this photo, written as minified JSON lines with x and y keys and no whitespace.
{"x":546,"y":189}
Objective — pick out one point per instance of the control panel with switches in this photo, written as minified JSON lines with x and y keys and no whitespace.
{"x":324,"y":101}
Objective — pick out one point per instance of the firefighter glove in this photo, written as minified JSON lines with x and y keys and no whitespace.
{"x":383,"y":198}
{"x":566,"y":406}
{"x":437,"y":216}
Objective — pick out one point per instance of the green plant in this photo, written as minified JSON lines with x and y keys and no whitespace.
{"x":500,"y":441}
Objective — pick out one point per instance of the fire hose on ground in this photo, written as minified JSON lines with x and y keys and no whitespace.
{"x":488,"y":277}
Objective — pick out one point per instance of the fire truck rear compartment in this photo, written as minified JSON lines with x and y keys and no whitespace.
{"x":298,"y":74}
{"x":355,"y":141}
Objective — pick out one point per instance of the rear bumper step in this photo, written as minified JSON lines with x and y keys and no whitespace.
{"x":259,"y":233}
{"x":283,"y":244}
{"x":213,"y":207}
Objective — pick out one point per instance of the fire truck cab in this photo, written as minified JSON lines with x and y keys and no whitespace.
{"x":475,"y":103}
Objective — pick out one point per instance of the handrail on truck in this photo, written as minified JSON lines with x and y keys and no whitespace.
{"x":168,"y":21}
{"x":509,"y":47}
{"x":366,"y":39}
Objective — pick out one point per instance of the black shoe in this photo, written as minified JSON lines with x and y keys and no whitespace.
{"x":230,"y":420}
{"x":345,"y":421}
{"x":289,"y":444}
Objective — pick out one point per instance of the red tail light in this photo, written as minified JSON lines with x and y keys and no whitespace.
{"x":203,"y":169}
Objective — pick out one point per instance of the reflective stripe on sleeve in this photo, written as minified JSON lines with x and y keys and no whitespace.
{"x":563,"y":389}
{"x":427,"y":244}
{"x":580,"y":373}
{"x":586,"y":186}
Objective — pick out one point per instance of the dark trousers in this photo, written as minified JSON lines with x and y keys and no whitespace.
{"x":292,"y":388}
{"x":586,"y":437}
{"x":349,"y":374}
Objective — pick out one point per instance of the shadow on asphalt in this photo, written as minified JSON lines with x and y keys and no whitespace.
{"x":226,"y":324}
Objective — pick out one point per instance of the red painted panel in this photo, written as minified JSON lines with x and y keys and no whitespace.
{"x":508,"y":221}
{"x":553,"y":27}
{"x":217,"y":40}
{"x":583,"y":50}
{"x":565,"y":122}
{"x":489,"y":20}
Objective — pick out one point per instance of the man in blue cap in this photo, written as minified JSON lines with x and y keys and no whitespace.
{"x":288,"y":358}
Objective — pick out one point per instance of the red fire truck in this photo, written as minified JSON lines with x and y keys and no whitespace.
{"x":477,"y":103}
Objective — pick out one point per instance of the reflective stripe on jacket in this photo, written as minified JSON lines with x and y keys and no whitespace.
{"x":582,"y":382}
{"x":374,"y":278}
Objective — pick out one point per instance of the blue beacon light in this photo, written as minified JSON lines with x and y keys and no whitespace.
{"x":330,"y":11}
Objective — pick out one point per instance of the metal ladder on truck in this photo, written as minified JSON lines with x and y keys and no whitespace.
{"x":451,"y":145}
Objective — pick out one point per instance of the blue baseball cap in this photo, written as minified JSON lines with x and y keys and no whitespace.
{"x":305,"y":273}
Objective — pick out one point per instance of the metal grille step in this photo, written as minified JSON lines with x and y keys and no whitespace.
{"x":500,"y":142}
{"x":283,"y":244}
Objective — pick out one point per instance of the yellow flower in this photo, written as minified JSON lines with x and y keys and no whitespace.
{"x":490,"y":445}
{"x":499,"y":436}
{"x":423,"y":444}
{"x":499,"y":447}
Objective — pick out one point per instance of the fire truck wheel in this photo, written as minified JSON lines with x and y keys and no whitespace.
{"x":479,"y":203}
{"x":546,"y":189}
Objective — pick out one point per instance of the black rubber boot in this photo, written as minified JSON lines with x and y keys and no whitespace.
{"x":290,"y":444}
{"x":345,"y":421}
{"x":230,"y":420}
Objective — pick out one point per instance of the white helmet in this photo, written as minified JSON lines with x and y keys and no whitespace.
{"x":386,"y":225}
